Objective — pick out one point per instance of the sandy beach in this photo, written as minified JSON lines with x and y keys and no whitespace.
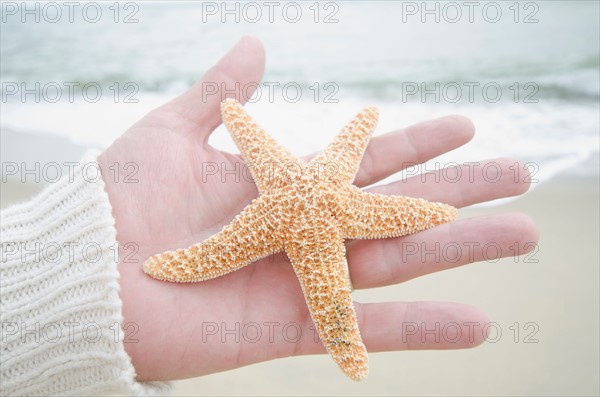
{"x":554,"y":301}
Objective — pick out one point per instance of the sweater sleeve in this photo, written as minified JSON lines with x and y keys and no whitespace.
{"x":62,"y":330}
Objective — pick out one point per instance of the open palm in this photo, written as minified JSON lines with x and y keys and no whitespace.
{"x":258,"y":313}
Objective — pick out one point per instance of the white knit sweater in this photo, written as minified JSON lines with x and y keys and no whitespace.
{"x":59,"y":305}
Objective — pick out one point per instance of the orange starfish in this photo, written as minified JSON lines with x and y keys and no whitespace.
{"x":308,"y":210}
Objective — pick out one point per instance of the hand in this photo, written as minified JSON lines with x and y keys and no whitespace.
{"x":172,"y":207}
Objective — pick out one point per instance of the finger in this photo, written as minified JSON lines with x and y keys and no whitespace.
{"x":375,"y":263}
{"x":394,"y":151}
{"x":393,"y":326}
{"x":421,"y":326}
{"x":465,"y":184}
{"x":236,"y":75}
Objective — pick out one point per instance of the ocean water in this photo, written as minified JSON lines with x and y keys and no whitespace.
{"x":527,"y":73}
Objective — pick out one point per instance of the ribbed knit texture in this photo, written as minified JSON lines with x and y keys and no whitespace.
{"x":62,"y":327}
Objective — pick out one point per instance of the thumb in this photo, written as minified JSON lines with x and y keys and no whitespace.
{"x":236,"y":75}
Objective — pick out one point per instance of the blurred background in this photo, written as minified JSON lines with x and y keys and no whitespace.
{"x":527,"y":73}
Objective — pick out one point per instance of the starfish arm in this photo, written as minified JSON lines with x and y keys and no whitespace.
{"x":371,"y":215}
{"x":345,"y":153}
{"x":269,"y":162}
{"x":251,"y":235}
{"x":318,"y":257}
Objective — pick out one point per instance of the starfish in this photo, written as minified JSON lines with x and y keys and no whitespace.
{"x":306,"y":210}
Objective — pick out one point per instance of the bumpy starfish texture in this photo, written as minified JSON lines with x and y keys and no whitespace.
{"x":307,"y":210}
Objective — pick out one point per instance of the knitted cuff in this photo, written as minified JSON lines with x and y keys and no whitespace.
{"x":60,"y":309}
